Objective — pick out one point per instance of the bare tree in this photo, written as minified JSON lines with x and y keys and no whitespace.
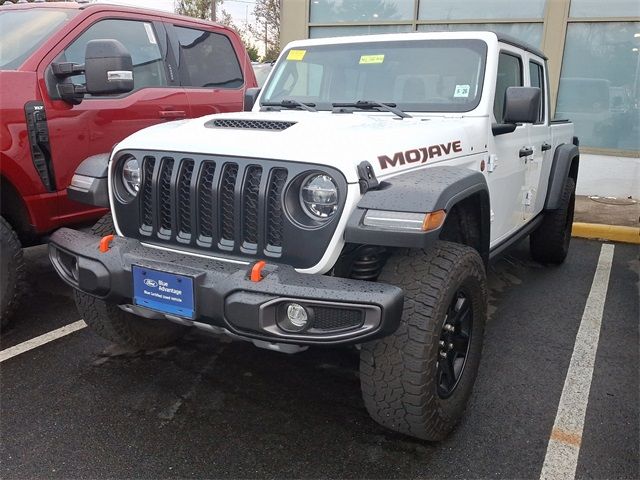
{"x":267,"y":27}
{"x":205,"y":9}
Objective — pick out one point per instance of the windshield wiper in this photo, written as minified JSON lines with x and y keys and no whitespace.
{"x":369,"y":105}
{"x":291,"y":103}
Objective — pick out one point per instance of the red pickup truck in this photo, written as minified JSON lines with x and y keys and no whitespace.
{"x":49,"y":124}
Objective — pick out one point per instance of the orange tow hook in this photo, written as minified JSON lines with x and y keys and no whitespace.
{"x":104,"y":243}
{"x":256,"y":271}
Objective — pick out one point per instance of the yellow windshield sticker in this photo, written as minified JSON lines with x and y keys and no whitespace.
{"x":369,"y":59}
{"x":296,"y":55}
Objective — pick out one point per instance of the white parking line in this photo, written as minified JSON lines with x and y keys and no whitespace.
{"x":41,"y":340}
{"x":563,"y":449}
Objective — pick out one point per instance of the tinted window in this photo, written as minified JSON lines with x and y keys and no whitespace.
{"x":537,"y":80}
{"x":138,"y":37}
{"x":207,"y":60}
{"x":509,"y":75}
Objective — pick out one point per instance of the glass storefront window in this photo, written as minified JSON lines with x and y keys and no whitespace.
{"x":480,"y":10}
{"x":336,"y":11}
{"x":599,"y":85}
{"x":530,"y":33}
{"x":339,"y":31}
{"x":600,"y":8}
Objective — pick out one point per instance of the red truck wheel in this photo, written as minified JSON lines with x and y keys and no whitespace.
{"x":12,"y":272}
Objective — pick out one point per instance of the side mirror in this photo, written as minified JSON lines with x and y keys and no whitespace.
{"x":108,"y":68}
{"x":521,"y":105}
{"x":250,"y":97}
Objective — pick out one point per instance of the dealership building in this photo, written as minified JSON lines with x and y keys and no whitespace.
{"x":594,"y":61}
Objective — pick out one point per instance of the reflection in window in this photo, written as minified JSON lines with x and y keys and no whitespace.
{"x":339,"y":31}
{"x":536,"y":76}
{"x":600,"y":8}
{"x":530,"y":33}
{"x":480,"y":9}
{"x":139,"y":39}
{"x":416,"y":75}
{"x":335,"y":11}
{"x":207,"y":60}
{"x":509,"y":75}
{"x":599,"y":85}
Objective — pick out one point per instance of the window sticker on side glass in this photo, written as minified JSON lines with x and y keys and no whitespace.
{"x":461,"y":91}
{"x":150,"y":34}
{"x":371,"y":59}
{"x":296,"y":55}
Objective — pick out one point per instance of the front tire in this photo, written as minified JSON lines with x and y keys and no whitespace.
{"x":12,"y":272}
{"x":104,"y":226}
{"x":123,"y":328}
{"x":549,"y":243}
{"x":418,"y":380}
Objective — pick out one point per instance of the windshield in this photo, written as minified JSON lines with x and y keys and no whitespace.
{"x":24,"y":30}
{"x":416,"y":75}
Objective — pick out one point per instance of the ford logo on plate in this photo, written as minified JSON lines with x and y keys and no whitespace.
{"x":150,"y":283}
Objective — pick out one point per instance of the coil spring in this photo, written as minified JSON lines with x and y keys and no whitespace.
{"x":368,"y":263}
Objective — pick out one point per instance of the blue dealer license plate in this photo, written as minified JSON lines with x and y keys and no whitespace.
{"x":164,"y":292}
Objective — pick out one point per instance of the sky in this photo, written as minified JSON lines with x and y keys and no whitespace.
{"x":240,"y":10}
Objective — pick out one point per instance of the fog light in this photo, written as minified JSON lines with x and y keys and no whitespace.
{"x":294,"y":318}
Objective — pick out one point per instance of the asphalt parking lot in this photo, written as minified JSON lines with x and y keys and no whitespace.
{"x":77,"y":407}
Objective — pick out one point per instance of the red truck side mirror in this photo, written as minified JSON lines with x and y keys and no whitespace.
{"x":108,"y":68}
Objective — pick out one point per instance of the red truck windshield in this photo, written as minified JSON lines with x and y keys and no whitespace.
{"x":25,"y":30}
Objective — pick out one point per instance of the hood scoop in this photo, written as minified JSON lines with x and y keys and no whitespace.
{"x":249,"y":124}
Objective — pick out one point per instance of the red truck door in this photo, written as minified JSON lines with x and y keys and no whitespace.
{"x":209,"y":69}
{"x":98,"y":123}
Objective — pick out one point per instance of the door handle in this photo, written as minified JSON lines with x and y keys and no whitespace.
{"x":545,"y":147}
{"x":526,"y":152}
{"x":173,"y":114}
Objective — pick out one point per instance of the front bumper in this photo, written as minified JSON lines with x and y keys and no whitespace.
{"x":225,"y":296}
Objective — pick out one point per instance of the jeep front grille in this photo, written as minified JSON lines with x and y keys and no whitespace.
{"x":176,"y":212}
{"x":223,"y":205}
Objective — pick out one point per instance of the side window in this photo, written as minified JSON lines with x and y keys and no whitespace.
{"x":207,"y":59}
{"x":509,"y":75}
{"x":536,"y":73}
{"x":138,"y":37}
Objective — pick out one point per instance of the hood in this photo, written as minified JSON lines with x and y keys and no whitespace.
{"x":339,"y":140}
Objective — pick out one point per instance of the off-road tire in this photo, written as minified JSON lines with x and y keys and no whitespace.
{"x":126,"y":329}
{"x":12,"y":272}
{"x":549,"y":243}
{"x":398,"y":372}
{"x":104,"y":226}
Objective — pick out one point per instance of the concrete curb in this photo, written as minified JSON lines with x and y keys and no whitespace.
{"x":613,"y":233}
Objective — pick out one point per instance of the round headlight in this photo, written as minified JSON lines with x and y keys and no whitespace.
{"x":319,"y":196}
{"x":131,"y":176}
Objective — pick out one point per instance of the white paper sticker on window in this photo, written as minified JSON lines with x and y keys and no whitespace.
{"x":461,"y":91}
{"x":150,"y":34}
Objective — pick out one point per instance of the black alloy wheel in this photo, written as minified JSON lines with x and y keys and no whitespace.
{"x":454,"y":342}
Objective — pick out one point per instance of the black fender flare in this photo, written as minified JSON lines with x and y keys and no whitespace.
{"x":563,"y":158}
{"x":90,"y":181}
{"x":418,"y":191}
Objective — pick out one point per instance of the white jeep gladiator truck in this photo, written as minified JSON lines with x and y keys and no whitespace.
{"x":358,"y":201}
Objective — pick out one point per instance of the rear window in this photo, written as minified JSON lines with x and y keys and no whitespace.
{"x":207,"y":59}
{"x":23,"y":31}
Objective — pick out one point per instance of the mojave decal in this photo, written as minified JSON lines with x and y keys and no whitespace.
{"x":421,"y":154}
